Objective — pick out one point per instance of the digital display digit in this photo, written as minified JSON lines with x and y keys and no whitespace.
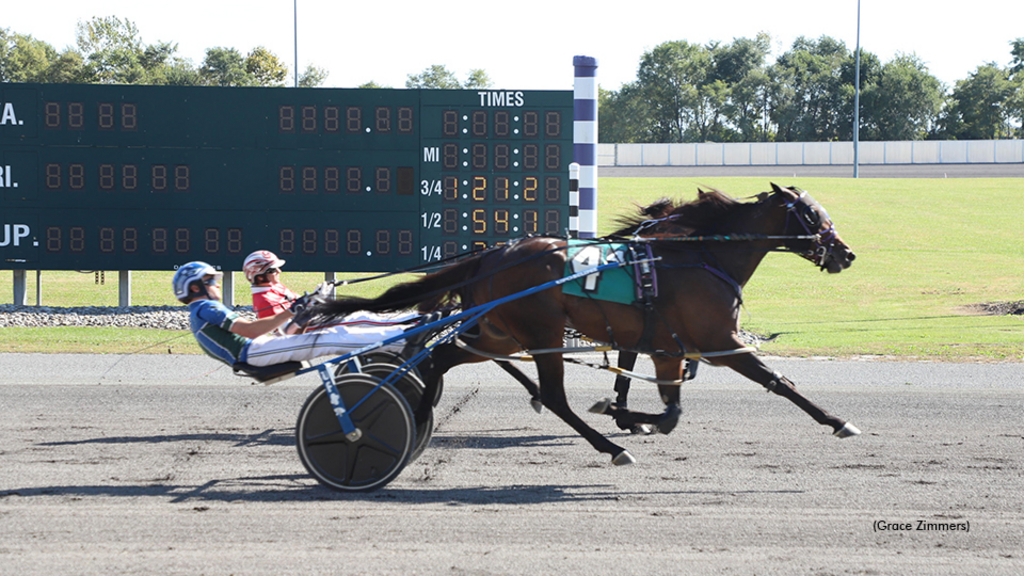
{"x":101,"y":177}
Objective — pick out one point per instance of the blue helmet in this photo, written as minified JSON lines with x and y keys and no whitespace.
{"x":189,"y":273}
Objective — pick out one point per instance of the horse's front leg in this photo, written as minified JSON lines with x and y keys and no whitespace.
{"x":550,"y":372}
{"x":667,"y":368}
{"x":751,"y":366}
{"x":627,"y":361}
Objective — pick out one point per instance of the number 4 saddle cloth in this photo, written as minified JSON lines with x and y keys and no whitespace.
{"x":624,"y":285}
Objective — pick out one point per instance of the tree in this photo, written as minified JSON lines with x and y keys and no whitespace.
{"x":224,"y":67}
{"x":27,"y":59}
{"x":691,"y":93}
{"x":978,"y":108}
{"x":742,"y":66}
{"x":312,"y":77}
{"x":264,"y":68}
{"x":477,"y":79}
{"x":667,"y":78}
{"x":436,"y":77}
{"x":439,"y":77}
{"x":808,"y":100}
{"x":1015,"y":105}
{"x":624,"y":116}
{"x":112,"y":49}
{"x":68,"y":68}
{"x":902,"y":102}
{"x":1017,"y":51}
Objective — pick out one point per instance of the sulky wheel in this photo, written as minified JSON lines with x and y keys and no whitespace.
{"x":386,"y":357}
{"x":411,"y":388}
{"x":386,"y":435}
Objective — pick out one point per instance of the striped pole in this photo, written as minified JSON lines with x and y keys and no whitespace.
{"x":584,"y":137}
{"x":574,"y":200}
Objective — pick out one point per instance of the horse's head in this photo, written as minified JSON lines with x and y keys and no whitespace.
{"x":805,"y":217}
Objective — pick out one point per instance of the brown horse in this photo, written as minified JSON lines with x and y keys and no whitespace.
{"x":708,"y":249}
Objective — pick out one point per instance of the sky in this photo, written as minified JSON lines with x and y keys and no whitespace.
{"x":530,"y":44}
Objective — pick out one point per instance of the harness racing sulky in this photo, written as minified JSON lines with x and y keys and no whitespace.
{"x":667,"y":284}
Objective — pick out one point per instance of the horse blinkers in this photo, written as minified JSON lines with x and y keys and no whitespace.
{"x":815,"y":222}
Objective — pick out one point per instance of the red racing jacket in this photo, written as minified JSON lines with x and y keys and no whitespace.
{"x":271,"y":300}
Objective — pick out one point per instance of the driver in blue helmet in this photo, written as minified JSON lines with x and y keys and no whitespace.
{"x":230,"y":338}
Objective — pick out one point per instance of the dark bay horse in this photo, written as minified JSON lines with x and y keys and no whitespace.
{"x":708,"y":250}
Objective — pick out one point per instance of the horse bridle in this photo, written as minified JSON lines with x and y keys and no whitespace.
{"x":811,"y":221}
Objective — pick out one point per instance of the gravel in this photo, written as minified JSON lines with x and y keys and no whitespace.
{"x":157,"y":317}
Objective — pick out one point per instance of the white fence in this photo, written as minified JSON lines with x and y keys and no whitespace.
{"x":812,"y":153}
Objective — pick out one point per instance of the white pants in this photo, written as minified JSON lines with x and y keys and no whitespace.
{"x":331,"y":341}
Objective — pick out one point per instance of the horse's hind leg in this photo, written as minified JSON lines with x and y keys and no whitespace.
{"x":523,"y":379}
{"x":751,"y":366}
{"x":667,"y":368}
{"x":550,"y":371}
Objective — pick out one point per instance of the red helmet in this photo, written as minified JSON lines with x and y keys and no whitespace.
{"x":259,"y":262}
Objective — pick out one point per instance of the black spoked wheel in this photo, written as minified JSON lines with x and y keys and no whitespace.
{"x":386,"y":435}
{"x":411,"y":388}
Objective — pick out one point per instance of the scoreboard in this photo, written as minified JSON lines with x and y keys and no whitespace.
{"x":100,"y":177}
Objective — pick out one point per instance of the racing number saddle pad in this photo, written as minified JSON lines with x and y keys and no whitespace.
{"x":614,"y":285}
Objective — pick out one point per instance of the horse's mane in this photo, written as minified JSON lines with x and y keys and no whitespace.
{"x":666,"y":217}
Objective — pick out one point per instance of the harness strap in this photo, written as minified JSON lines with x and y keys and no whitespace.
{"x":529,"y":354}
{"x":647,"y":291}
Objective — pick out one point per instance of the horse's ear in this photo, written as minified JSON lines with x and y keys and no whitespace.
{"x":762,"y":196}
{"x":700,"y":193}
{"x":776,"y":188}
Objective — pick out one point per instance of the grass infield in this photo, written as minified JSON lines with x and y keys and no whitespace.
{"x":934,"y":258}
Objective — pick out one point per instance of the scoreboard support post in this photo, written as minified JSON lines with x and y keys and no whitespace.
{"x":124,"y":288}
{"x":228,"y":291}
{"x":20,"y":288}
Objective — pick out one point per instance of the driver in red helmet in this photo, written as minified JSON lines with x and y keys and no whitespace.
{"x":270,"y":297}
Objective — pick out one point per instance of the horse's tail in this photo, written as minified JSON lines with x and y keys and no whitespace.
{"x":425,"y":294}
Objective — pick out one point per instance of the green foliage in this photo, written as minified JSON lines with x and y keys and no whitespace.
{"x":264,"y":68}
{"x":111,"y":51}
{"x":312,"y":77}
{"x":977,"y":109}
{"x":224,"y":67}
{"x":902,"y":102}
{"x":477,"y":79}
{"x":436,"y":77}
{"x":439,"y":77}
{"x":809,"y":103}
{"x":26,"y":59}
{"x":727,"y":92}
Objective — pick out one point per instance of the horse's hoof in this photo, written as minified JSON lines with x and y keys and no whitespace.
{"x":669,"y":419}
{"x":624,"y":458}
{"x":602,"y":406}
{"x":538,"y":406}
{"x":644,"y":429}
{"x":846,"y":431}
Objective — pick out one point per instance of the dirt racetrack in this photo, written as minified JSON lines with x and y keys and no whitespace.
{"x":163,"y":465}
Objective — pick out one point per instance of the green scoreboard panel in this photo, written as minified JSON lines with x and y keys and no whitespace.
{"x":96,"y":177}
